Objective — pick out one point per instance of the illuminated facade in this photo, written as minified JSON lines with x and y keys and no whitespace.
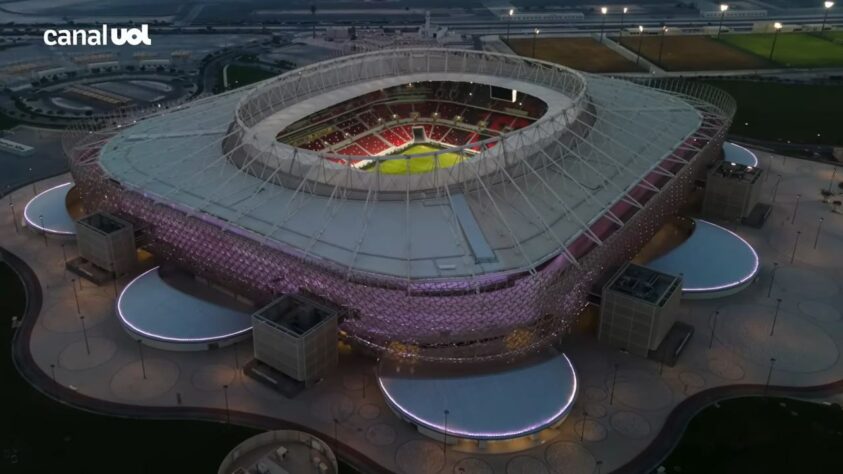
{"x":489,"y":258}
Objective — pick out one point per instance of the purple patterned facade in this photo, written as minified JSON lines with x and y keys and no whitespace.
{"x":490,"y":317}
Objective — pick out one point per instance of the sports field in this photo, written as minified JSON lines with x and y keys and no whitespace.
{"x":792,"y":49}
{"x":418,"y":165}
{"x":693,"y":53}
{"x":582,"y":54}
{"x":799,"y":113}
{"x":239,"y":76}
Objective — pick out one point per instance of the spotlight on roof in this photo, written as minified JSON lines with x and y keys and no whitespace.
{"x":724,"y":7}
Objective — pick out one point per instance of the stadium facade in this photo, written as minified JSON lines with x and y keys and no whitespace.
{"x":553,"y":177}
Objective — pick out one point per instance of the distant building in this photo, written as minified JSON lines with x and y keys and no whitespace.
{"x":732,"y":191}
{"x":107,"y":241}
{"x":638,"y":308}
{"x":297,"y":336}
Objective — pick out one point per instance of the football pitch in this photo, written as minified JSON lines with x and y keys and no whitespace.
{"x":792,"y":49}
{"x":423,"y":164}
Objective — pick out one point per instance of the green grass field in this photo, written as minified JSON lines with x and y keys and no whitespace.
{"x":792,"y":49}
{"x":418,"y":165}
{"x":239,"y":76}
{"x":800,"y":113}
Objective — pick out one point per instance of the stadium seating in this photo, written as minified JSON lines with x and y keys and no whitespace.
{"x":451,"y":114}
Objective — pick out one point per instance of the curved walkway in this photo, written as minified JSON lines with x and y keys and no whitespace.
{"x":674,"y":427}
{"x":29,"y":370}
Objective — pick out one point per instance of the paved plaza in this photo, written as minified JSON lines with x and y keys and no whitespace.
{"x":623,"y":401}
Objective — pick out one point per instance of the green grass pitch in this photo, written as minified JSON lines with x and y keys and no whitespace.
{"x":792,"y":49}
{"x":424,"y":164}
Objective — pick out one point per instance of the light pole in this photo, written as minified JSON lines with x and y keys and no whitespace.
{"x":775,"y":316}
{"x":795,"y":244}
{"x":535,"y":35}
{"x":772,"y":278}
{"x":769,"y":375}
{"x":776,"y":186}
{"x":603,"y":11}
{"x":15,"y":217}
{"x":509,"y":23}
{"x":819,"y":228}
{"x":661,"y":44}
{"x":43,"y":229}
{"x":336,"y":438}
{"x":75,"y":295}
{"x":445,"y":439}
{"x":723,"y":9}
{"x":827,"y":6}
{"x":623,"y":14}
{"x":143,"y":364}
{"x":227,"y":412}
{"x":85,"y":334}
{"x":614,"y":379}
{"x":64,"y":256}
{"x":584,"y":422}
{"x":830,"y":183}
{"x":640,"y":40}
{"x":713,"y":327}
{"x":778,"y":27}
{"x":795,"y":208}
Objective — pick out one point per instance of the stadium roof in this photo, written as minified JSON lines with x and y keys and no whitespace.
{"x":507,"y":209}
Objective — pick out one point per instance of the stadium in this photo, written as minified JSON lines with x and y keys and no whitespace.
{"x":457,"y":205}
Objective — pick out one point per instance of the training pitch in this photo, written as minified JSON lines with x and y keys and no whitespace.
{"x":582,"y":54}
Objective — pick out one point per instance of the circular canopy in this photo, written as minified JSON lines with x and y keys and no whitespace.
{"x":152,"y":308}
{"x":712,"y":259}
{"x":737,"y":154}
{"x":495,"y":405}
{"x":47,"y":211}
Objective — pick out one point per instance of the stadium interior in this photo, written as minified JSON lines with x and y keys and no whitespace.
{"x":414,"y":118}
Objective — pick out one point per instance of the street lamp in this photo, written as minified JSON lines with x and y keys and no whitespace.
{"x":723,"y":9}
{"x":640,"y":40}
{"x":509,"y":22}
{"x":445,"y":438}
{"x":775,"y":316}
{"x":661,"y":44}
{"x":772,"y":278}
{"x":827,"y":6}
{"x":227,"y":411}
{"x":535,"y":35}
{"x":819,"y":228}
{"x":713,"y":327}
{"x":795,"y":208}
{"x":795,"y":245}
{"x":614,"y":380}
{"x":140,"y":353}
{"x":778,"y":27}
{"x":776,"y":186}
{"x":769,"y":375}
{"x":623,"y":14}
{"x":603,"y":11}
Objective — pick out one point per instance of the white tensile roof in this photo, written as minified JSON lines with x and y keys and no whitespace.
{"x":508,"y":209}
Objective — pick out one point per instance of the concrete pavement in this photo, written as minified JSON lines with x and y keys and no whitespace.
{"x":624,"y":403}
